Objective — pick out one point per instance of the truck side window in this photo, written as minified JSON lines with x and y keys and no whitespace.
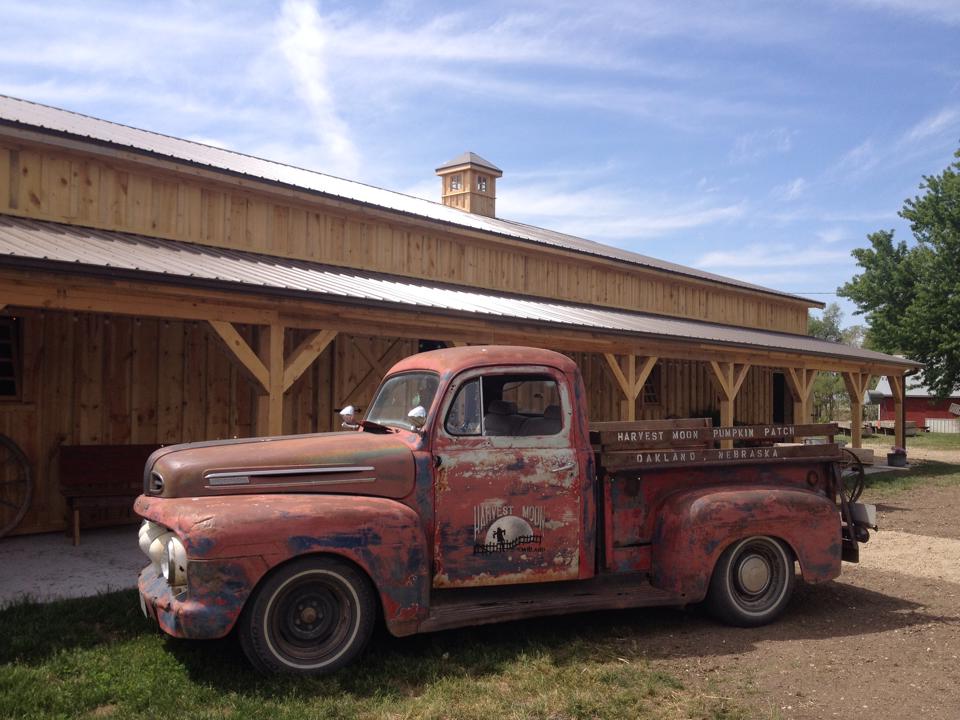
{"x":521,"y":405}
{"x":463,"y":418}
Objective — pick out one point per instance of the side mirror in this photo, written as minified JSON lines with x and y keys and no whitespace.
{"x":418,"y":417}
{"x":348,"y":415}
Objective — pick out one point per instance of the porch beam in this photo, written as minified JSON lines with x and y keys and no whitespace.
{"x":56,"y":291}
{"x":856,"y":384}
{"x":729,"y":377}
{"x":304,"y":356}
{"x":899,"y":431}
{"x":270,"y":405}
{"x":631,"y":383}
{"x":242,"y":352}
{"x":800,"y":380}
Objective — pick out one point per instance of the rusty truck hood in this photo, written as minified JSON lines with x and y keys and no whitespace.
{"x":360,"y":463}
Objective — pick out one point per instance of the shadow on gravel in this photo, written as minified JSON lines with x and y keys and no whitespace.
{"x":409,"y":665}
{"x":31,"y":633}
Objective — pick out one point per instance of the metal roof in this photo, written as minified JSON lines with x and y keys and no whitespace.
{"x":22,"y":113}
{"x":54,"y":246}
{"x":469,"y":158}
{"x":915,"y":388}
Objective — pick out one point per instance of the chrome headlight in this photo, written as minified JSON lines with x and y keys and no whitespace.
{"x":150,"y":531}
{"x":173,"y":562}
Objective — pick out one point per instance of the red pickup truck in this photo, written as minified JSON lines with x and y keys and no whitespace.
{"x":475,"y":491}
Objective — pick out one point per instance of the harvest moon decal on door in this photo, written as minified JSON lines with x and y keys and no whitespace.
{"x":496,"y":529}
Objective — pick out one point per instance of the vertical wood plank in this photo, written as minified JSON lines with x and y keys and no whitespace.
{"x":194,"y":382}
{"x":117,"y":380}
{"x":170,"y":382}
{"x":143,"y":391}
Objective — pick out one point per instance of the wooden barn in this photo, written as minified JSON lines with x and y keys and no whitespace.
{"x":155,"y":290}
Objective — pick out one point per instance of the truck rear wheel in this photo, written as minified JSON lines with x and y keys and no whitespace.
{"x":312,"y":616}
{"x":752,"y":582}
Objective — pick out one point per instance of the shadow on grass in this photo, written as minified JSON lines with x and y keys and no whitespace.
{"x":401,"y":667}
{"x":31,"y":631}
{"x":920,"y":471}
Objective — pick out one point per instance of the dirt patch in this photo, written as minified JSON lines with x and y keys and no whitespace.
{"x":881,"y":642}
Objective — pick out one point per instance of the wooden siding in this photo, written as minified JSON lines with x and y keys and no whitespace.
{"x":98,"y":379}
{"x":50,"y":183}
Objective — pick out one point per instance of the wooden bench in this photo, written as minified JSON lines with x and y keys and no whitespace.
{"x":101,"y":476}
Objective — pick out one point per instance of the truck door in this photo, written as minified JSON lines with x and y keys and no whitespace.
{"x":508,"y":483}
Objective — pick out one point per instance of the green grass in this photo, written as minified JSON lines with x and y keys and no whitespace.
{"x":923,"y":472}
{"x":97,"y":657}
{"x":930,"y":441}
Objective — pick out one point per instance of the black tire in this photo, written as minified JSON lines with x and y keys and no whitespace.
{"x":752,"y":582}
{"x":312,"y":616}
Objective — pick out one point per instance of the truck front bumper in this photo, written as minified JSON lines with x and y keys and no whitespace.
{"x":206,"y":608}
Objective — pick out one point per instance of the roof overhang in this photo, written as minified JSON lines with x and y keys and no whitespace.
{"x":393,"y":304}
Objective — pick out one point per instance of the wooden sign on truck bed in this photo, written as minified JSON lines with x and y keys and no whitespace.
{"x":692,"y":442}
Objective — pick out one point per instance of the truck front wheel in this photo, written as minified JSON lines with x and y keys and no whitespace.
{"x":752,"y":582}
{"x":311,"y":616}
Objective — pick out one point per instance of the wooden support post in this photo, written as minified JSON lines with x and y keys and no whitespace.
{"x":631,"y":382}
{"x":857,"y":384}
{"x":303,"y":357}
{"x":243,"y":352}
{"x":270,"y":405}
{"x":729,"y":377}
{"x":897,"y":388}
{"x":800,"y":381}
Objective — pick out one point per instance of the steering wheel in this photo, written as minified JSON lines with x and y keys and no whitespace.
{"x":852,"y":475}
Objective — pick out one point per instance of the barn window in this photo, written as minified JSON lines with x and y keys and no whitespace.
{"x":651,"y":388}
{"x":481,"y":183}
{"x":10,"y":360}
{"x":456,"y":182}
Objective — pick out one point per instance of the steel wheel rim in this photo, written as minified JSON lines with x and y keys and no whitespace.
{"x":310,"y":622}
{"x":758,"y":575}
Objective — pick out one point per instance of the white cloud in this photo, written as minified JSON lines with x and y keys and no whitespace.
{"x":791,"y":190}
{"x":832,"y":235}
{"x":933,"y":125}
{"x":610,"y":214}
{"x":766,"y":256}
{"x":303,"y":38}
{"x":753,"y":146}
{"x":945,"y":11}
{"x":856,"y":162}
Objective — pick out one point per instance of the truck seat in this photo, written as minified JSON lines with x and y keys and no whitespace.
{"x":501,"y":418}
{"x":547,"y":424}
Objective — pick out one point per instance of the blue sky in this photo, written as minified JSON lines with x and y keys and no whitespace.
{"x":759,"y":140}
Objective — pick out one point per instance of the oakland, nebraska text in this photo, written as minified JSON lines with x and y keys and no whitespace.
{"x":692,"y":456}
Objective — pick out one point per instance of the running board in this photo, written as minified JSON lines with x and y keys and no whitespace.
{"x":502,"y":603}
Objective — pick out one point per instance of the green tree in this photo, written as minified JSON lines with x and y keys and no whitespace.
{"x":910,"y":296}
{"x":829,"y":392}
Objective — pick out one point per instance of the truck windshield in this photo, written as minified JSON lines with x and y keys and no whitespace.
{"x":401,"y":394}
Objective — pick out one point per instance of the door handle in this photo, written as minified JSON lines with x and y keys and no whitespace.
{"x":561,"y":468}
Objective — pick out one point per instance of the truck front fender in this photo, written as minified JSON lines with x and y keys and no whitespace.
{"x":694,"y":527}
{"x":382,"y":536}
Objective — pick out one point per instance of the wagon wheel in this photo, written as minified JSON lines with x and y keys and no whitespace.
{"x":852,"y":476}
{"x":16,"y":485}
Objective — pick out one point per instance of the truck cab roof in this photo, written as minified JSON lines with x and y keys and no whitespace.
{"x":455,"y":359}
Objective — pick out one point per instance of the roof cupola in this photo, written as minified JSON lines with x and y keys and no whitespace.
{"x":468,"y":182}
